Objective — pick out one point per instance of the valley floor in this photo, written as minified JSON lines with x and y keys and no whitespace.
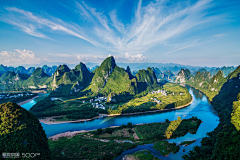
{"x":51,"y":120}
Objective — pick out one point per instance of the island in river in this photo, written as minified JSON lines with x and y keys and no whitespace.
{"x":110,"y":142}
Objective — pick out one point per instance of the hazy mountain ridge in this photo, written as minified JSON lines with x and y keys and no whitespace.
{"x":204,"y":81}
{"x":22,"y":70}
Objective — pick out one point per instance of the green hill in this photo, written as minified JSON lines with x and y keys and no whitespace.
{"x":158,"y":73}
{"x":223,"y":142}
{"x":217,"y":81}
{"x":49,"y":70}
{"x":37,"y":79}
{"x":12,"y":81}
{"x":109,"y":78}
{"x":119,"y":81}
{"x":67,"y":81}
{"x":146,"y":76}
{"x":102,"y":74}
{"x":20,"y":131}
{"x":183,"y":76}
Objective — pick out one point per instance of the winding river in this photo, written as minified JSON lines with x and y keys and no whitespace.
{"x":200,"y":108}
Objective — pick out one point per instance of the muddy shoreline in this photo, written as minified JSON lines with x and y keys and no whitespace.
{"x":26,"y":101}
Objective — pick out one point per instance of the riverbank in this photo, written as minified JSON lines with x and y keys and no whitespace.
{"x":50,"y":120}
{"x":26,"y":101}
{"x":71,"y":134}
{"x":163,"y":110}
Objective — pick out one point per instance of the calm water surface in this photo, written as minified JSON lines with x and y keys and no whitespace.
{"x":200,"y":108}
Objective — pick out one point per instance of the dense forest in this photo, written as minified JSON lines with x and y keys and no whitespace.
{"x":223,"y":142}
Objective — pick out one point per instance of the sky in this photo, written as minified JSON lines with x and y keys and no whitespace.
{"x":197,"y":33}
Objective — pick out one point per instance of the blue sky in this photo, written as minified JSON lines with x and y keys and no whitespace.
{"x":198,"y":33}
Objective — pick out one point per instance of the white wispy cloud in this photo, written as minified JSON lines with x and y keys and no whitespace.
{"x":151,"y":25}
{"x":220,"y":35}
{"x":180,"y":49}
{"x":29,"y":23}
{"x":19,"y":57}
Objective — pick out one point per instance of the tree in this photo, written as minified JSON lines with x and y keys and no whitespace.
{"x":20,"y":131}
{"x":109,"y":130}
{"x":99,"y":131}
{"x":129,"y":125}
{"x":130,"y":131}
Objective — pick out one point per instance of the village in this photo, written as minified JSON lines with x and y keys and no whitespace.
{"x":7,"y":96}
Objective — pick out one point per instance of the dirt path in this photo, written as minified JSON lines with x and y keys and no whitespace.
{"x":135,"y":135}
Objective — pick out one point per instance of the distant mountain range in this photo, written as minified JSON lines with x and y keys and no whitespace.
{"x":22,"y":70}
{"x":209,"y":83}
{"x":106,"y":78}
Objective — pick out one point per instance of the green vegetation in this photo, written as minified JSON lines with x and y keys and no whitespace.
{"x":109,"y":143}
{"x":159,"y":131}
{"x":82,"y":146}
{"x":236,"y":113}
{"x":102,"y":73}
{"x":152,"y":132}
{"x":223,"y":142}
{"x":109,"y":78}
{"x":12,"y":81}
{"x":69,"y":110}
{"x":65,"y":81}
{"x":145,"y":100}
{"x":147,"y":76}
{"x":186,"y":143}
{"x":119,"y":81}
{"x":37,"y":79}
{"x":21,"y":132}
{"x":142,"y":155}
{"x":165,"y":148}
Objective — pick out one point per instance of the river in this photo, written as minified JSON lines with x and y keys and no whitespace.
{"x":200,"y":107}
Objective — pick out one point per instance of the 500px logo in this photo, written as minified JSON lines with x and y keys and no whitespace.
{"x":30,"y":155}
{"x":17,"y":155}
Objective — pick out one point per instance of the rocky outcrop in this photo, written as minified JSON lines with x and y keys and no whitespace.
{"x":183,"y":76}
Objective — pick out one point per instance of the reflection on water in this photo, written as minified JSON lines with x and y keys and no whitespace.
{"x":198,"y":95}
{"x":200,"y":108}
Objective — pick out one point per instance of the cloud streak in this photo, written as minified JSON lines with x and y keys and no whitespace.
{"x":151,"y":25}
{"x":180,"y":49}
